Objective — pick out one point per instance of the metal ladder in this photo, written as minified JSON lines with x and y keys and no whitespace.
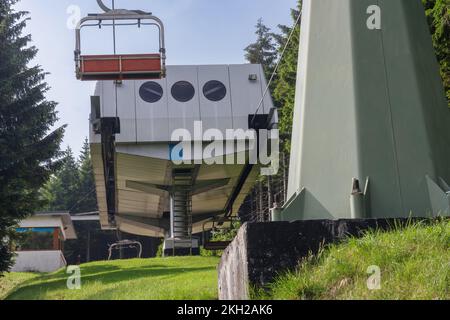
{"x":182,"y":206}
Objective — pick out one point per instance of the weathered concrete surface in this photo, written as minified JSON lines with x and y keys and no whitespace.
{"x":260,"y":251}
{"x":234,"y":269}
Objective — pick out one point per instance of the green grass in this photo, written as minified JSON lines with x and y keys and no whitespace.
{"x":414,"y":264}
{"x":13,"y":280}
{"x":140,"y":279}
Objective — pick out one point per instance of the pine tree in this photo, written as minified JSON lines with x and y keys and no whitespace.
{"x":438,"y":14}
{"x":61,"y":192}
{"x":27,"y":146}
{"x":263,"y":51}
{"x":72,"y":189}
{"x":86,"y":187}
{"x":266,"y":51}
{"x":284,"y":86}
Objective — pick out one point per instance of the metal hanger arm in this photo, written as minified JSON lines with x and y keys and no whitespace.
{"x":103,"y":6}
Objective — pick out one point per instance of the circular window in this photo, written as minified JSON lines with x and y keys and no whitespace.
{"x":183,"y":91}
{"x":151,"y":92}
{"x":214,"y":90}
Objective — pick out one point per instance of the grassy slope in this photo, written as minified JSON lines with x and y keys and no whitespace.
{"x":158,"y":279}
{"x":414,"y":263}
{"x":12,"y":281}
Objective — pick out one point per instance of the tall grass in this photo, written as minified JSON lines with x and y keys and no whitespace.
{"x":414,"y":262}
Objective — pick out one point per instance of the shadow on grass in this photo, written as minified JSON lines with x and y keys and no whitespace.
{"x":103,"y":274}
{"x":183,"y":294}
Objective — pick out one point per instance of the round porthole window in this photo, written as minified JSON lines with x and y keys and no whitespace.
{"x":151,"y":92}
{"x":183,"y":91}
{"x":214,"y":90}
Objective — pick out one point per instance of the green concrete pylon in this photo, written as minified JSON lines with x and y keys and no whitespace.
{"x":371,"y":135}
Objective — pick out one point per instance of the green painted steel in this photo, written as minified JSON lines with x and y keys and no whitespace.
{"x":370,"y":105}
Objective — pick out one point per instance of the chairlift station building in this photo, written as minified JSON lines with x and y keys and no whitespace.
{"x":143,"y":194}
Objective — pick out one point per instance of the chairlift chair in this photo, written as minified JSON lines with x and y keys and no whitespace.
{"x":125,"y":244}
{"x":222,"y":223}
{"x":120,"y":66}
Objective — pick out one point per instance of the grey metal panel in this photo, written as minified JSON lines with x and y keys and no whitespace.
{"x":325,"y":94}
{"x":124,"y":107}
{"x":142,"y":121}
{"x":377,"y":141}
{"x":420,"y":116}
{"x":96,"y":138}
{"x":107,"y":98}
{"x":152,"y":118}
{"x":267,"y":102}
{"x":216,"y":115}
{"x":245,"y":94}
{"x":126,"y":111}
{"x":183,"y":114}
{"x":369,"y":104}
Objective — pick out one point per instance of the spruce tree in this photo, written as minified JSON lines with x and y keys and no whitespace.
{"x":285,"y":83}
{"x":27,"y":145}
{"x":263,"y":51}
{"x":438,"y":14}
{"x":72,"y":189}
{"x":86,"y":187}
{"x":61,"y":192}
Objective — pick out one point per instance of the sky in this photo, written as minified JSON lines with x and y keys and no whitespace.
{"x":197,"y":32}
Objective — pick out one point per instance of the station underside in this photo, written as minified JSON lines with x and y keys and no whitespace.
{"x":142,"y":199}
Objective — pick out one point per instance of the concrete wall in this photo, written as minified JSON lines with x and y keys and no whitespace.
{"x":233,"y":269}
{"x":263,"y":250}
{"x":39,"y":261}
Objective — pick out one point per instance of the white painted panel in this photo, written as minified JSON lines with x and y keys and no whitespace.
{"x":246,"y":94}
{"x":38,"y":261}
{"x":152,"y":118}
{"x":215,"y":115}
{"x":43,"y":222}
{"x":93,"y":137}
{"x":107,"y":100}
{"x":125,"y":110}
{"x":267,"y":103}
{"x":183,"y":114}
